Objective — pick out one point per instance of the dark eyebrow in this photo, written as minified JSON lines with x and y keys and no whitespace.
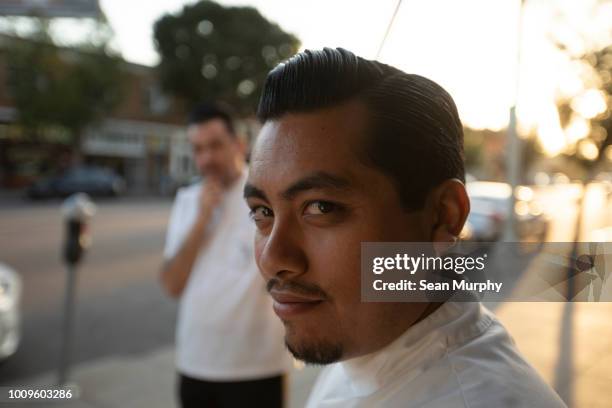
{"x":250,"y":191}
{"x":317,"y":180}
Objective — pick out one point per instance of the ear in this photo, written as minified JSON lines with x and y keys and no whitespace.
{"x":449,"y":207}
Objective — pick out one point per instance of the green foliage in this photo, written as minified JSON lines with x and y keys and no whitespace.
{"x":600,"y":65}
{"x":472,"y":148}
{"x":601,"y":61}
{"x":61,"y":87}
{"x":211,"y":52}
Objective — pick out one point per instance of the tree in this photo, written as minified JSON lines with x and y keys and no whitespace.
{"x":62,"y":88}
{"x":587,"y":115}
{"x":595,"y":147}
{"x":599,"y":138}
{"x":211,"y":52}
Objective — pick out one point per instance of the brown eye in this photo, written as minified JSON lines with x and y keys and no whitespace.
{"x":319,"y":208}
{"x":260,"y":212}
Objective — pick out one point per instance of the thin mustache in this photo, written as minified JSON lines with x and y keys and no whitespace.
{"x":299,"y":288}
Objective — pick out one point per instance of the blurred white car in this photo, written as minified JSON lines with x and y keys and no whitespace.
{"x":10,"y":319}
{"x":489,"y":212}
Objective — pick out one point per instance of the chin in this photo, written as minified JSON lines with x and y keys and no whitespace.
{"x":313,"y":351}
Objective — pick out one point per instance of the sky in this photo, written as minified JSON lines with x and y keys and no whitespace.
{"x":470,"y":47}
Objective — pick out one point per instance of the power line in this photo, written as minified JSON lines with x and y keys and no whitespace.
{"x":382,"y":43}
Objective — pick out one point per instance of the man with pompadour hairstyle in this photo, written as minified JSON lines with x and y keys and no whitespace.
{"x":352,"y":151}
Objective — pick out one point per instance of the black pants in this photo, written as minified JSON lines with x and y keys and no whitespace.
{"x":265,"y":393}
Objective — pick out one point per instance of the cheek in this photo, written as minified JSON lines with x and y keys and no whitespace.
{"x":258,"y":246}
{"x":335,"y":263}
{"x":334,"y":254}
{"x":227,"y":153}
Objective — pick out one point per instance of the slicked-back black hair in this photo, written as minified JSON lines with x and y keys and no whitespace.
{"x":415,"y":134}
{"x":205,"y":112}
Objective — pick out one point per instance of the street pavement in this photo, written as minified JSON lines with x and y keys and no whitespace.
{"x":144,"y":381}
{"x":572,"y":338}
{"x":570,"y":344}
{"x":120,"y":307}
{"x":124,"y":354}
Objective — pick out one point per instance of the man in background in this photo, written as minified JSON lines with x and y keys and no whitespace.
{"x":229,"y":349}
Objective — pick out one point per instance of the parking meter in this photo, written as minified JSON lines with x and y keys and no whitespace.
{"x":77,"y":211}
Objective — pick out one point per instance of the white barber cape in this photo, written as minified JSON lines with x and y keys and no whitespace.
{"x":459,"y":356}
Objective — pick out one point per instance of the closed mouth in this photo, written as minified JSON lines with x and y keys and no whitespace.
{"x":288,"y":304}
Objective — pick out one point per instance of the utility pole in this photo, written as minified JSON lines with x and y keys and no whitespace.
{"x":388,"y":30}
{"x":513,"y":152}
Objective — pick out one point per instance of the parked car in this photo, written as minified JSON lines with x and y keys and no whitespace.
{"x":10,"y":320}
{"x":489,"y":212}
{"x":95,"y":181}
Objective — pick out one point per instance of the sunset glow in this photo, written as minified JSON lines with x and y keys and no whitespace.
{"x":470,"y":47}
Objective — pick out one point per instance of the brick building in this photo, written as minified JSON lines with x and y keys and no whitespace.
{"x":142,"y":139}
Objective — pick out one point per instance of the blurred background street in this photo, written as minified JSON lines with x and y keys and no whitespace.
{"x":121,"y":307}
{"x":94,"y":98}
{"x":122,"y":315}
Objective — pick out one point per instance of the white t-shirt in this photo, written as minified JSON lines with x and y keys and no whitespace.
{"x":226,"y":327}
{"x":458,"y":357}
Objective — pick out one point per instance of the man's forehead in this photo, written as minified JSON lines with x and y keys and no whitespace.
{"x":288,"y":154}
{"x":279,"y":175}
{"x":331,"y":134}
{"x":297,"y":145}
{"x":210,"y":128}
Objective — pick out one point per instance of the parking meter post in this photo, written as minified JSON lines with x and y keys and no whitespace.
{"x":77,"y":210}
{"x":67,"y":335}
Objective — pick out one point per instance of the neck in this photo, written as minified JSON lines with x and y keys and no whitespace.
{"x":394,"y":327}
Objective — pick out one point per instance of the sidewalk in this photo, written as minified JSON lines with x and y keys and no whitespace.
{"x":146,"y":381}
{"x":570,"y":345}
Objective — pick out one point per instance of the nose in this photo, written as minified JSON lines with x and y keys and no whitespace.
{"x":206,"y":158}
{"x":281,"y":253}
